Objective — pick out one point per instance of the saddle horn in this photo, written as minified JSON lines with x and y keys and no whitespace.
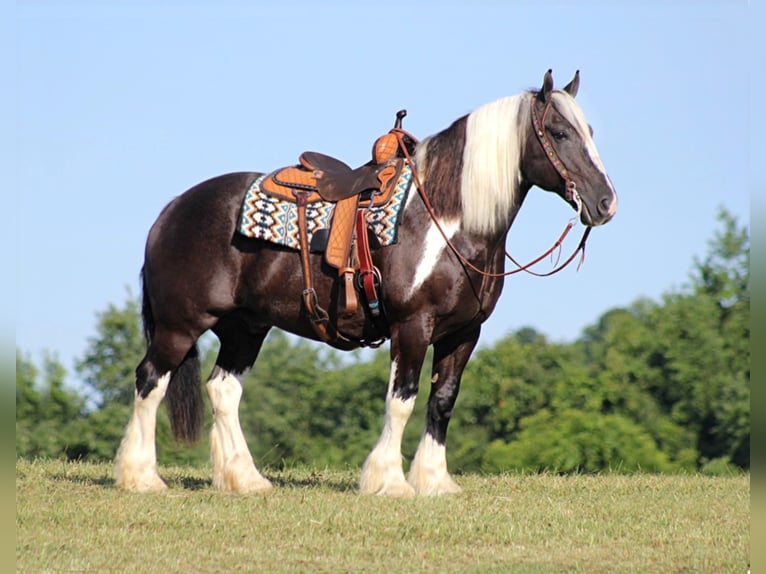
{"x":400,"y":115}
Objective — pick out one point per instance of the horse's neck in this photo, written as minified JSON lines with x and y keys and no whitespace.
{"x":521,"y":195}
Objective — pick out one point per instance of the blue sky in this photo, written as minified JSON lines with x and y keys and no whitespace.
{"x":120,"y":108}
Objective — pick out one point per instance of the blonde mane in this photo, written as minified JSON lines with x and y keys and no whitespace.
{"x":491,"y":173}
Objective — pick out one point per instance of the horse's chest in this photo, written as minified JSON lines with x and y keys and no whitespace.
{"x":441,"y":289}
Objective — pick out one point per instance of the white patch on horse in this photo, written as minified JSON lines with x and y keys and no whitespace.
{"x":233,"y":466}
{"x":428,"y":471}
{"x":136,"y":461}
{"x":382,"y":472}
{"x":433,"y":245}
{"x":567,"y":107}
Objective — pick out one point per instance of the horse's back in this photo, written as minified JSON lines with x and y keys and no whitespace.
{"x":205,"y":207}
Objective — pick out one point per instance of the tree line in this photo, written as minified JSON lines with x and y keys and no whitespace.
{"x":660,"y":386}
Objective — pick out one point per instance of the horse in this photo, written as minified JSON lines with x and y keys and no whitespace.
{"x":438,"y":283}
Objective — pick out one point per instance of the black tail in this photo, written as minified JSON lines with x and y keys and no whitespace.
{"x":184,"y":394}
{"x":184,"y":399}
{"x":146,"y":310}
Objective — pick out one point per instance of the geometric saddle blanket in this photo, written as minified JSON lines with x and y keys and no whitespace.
{"x":272,"y":219}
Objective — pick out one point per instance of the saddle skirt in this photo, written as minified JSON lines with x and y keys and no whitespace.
{"x":270,"y":212}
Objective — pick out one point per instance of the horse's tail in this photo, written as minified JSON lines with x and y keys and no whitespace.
{"x":184,"y":394}
{"x":147,"y":316}
{"x":184,"y":399}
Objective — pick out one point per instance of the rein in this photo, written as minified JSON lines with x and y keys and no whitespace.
{"x":571,"y":195}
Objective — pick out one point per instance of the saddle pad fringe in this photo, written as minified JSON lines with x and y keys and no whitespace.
{"x":270,"y":218}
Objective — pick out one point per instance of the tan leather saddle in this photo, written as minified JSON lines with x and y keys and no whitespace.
{"x":320,"y":177}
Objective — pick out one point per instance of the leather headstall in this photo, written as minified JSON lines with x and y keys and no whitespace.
{"x":538,"y":123}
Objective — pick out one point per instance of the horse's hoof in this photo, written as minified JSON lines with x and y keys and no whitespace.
{"x":244,"y":485}
{"x":261,"y":486}
{"x":398,"y":490}
{"x":393,"y":488}
{"x":444,"y":487}
{"x":150,"y":482}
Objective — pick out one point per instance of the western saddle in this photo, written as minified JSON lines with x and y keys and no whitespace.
{"x":319,"y":177}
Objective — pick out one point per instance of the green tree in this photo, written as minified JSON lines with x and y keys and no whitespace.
{"x":681,"y":367}
{"x":569,"y":408}
{"x":706,"y":350}
{"x":570,"y":440}
{"x":108,"y":366}
{"x":623,"y":351}
{"x":504,"y":383}
{"x":724,"y":273}
{"x":47,"y":412}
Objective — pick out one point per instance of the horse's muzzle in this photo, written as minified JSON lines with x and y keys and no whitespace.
{"x":599,"y":212}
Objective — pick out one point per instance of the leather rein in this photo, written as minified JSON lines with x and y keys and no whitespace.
{"x":571,"y":195}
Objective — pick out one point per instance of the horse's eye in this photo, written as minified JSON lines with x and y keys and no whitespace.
{"x":560,"y":135}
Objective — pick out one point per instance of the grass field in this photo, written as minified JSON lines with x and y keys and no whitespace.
{"x":69,"y":517}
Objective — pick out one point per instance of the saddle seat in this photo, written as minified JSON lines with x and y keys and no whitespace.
{"x":325,"y":178}
{"x":314,"y":160}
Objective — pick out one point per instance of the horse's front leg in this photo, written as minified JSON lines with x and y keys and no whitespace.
{"x":428,"y":471}
{"x":382,"y":472}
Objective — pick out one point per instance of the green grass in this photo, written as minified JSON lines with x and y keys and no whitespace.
{"x":69,"y":517}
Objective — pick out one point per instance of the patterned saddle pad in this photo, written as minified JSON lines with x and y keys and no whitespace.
{"x":273,"y":219}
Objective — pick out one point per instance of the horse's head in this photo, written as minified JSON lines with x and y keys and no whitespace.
{"x":561,"y":155}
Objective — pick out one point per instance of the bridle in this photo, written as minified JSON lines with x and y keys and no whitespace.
{"x":571,"y":195}
{"x":538,"y":124}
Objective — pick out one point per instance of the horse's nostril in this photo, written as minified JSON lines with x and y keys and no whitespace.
{"x":604,"y":206}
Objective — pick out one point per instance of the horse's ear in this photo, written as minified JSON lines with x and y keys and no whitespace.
{"x":547,"y":88}
{"x":572,"y":87}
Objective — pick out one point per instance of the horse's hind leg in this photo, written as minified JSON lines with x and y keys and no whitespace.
{"x":169,"y":357}
{"x":233,"y":466}
{"x":428,"y":471}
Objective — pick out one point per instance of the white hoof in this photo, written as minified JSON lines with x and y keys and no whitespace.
{"x":242,"y":477}
{"x":143,"y":480}
{"x":384,"y":480}
{"x":435,"y":486}
{"x":241,"y":485}
{"x":428,"y":472}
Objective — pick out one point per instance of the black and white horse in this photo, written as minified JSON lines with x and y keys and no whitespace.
{"x":199,"y":274}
